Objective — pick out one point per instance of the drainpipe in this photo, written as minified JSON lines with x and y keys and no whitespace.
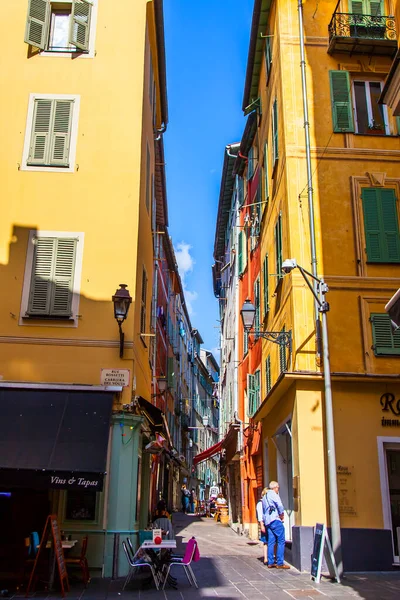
{"x":317,"y":285}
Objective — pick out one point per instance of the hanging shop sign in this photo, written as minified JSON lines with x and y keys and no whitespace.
{"x":43,"y":479}
{"x":115,"y":377}
{"x":391,"y":407}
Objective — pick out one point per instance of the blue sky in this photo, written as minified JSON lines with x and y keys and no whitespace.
{"x":206,"y":51}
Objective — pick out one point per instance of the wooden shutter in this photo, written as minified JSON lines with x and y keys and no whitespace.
{"x":80,"y":24}
{"x":257,"y":390}
{"x":265,"y":285}
{"x":375,"y":8}
{"x":381,"y":225}
{"x":275,"y":146}
{"x":245,"y":342}
{"x":41,"y":138}
{"x":384,"y":340}
{"x":250,"y":163}
{"x":266,"y":172}
{"x":60,"y":139}
{"x":143,"y":302}
{"x":52,"y":277}
{"x":240,"y":185}
{"x":268,"y":374}
{"x":278,"y":247}
{"x":63,"y":277}
{"x":240,"y":257}
{"x":257,"y":304}
{"x":342,"y":112}
{"x":250,"y":394}
{"x":268,"y":56}
{"x":41,"y":280}
{"x":398,"y":125}
{"x":357,"y":8}
{"x":37,"y":23}
{"x":147,"y":178}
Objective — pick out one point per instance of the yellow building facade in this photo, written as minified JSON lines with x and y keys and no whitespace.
{"x":355,"y":166}
{"x":84,"y":98}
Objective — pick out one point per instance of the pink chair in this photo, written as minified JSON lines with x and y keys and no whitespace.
{"x":191,"y":554}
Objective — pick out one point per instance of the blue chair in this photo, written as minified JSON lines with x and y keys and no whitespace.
{"x":34,"y":542}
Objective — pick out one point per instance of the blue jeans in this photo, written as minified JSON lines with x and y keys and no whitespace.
{"x":276,"y":535}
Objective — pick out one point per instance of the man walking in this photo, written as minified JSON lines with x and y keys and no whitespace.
{"x":273,"y":526}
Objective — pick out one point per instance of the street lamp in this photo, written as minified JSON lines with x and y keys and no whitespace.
{"x":122,"y":300}
{"x":248,"y":313}
{"x":323,"y":307}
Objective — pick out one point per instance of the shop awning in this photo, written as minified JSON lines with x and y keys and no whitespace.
{"x":153,"y":414}
{"x":52,"y":438}
{"x":209,"y":453}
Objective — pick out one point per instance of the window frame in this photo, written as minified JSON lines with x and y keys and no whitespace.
{"x":75,"y":52}
{"x":383,"y":245}
{"x":384,"y":350}
{"x":51,"y":321}
{"x":73,"y":134}
{"x":367,"y":83}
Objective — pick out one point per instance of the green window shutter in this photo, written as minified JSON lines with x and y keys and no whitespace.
{"x":367,"y":7}
{"x":240,"y":256}
{"x":41,"y":138}
{"x":398,"y":125}
{"x":245,"y":342}
{"x":357,"y":8}
{"x":170,"y":374}
{"x":63,"y":277}
{"x":52,"y":278}
{"x":250,"y":394}
{"x":282,"y":356}
{"x":250,"y":163}
{"x":384,"y":340}
{"x":257,"y":304}
{"x":268,"y":56}
{"x":147,"y":178}
{"x":342,"y":112}
{"x":381,"y":225}
{"x":37,"y":23}
{"x":275,"y":139}
{"x":278,"y":247}
{"x":61,"y":134}
{"x":143,"y":302}
{"x":268,"y":374}
{"x":266,"y":172}
{"x":80,"y":24}
{"x":265,"y":285}
{"x":257,"y":390}
{"x":240,"y":188}
{"x":41,"y":279}
{"x":375,"y":8}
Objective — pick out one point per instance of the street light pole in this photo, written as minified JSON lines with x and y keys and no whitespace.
{"x":323,"y":308}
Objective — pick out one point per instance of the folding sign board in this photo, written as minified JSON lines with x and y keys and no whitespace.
{"x":322,"y":547}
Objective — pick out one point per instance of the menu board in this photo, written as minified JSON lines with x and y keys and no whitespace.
{"x":51,"y":529}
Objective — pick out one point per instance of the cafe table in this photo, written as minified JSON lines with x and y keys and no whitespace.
{"x":156,"y":561}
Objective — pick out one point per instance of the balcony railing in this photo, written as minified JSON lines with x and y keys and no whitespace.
{"x":362,"y":34}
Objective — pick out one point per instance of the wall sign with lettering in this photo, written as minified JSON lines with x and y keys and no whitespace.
{"x":115,"y":377}
{"x":391,"y":406}
{"x":346,"y":490}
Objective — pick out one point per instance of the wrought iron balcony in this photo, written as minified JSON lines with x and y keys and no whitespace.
{"x":362,"y":34}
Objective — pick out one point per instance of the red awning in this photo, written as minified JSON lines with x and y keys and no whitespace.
{"x":207,"y":453}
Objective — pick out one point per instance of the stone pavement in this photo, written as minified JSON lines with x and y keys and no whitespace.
{"x":231,"y":568}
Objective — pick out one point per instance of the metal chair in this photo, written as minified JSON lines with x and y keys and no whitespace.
{"x":191,"y":553}
{"x":135,"y":564}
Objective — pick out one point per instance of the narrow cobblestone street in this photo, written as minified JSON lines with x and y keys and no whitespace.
{"x":231,"y":567}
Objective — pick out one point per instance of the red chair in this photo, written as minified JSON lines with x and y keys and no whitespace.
{"x":81,"y":561}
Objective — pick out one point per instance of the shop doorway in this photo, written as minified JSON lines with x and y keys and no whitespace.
{"x":389,"y":465}
{"x":283,"y":443}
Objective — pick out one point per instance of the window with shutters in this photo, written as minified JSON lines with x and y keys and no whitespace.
{"x":278,"y":247}
{"x":385,"y":340}
{"x":268,"y":380}
{"x":268,"y":55}
{"x":143,"y":302}
{"x":51,"y":133}
{"x":257,"y":319}
{"x":253,"y":392}
{"x":52,"y":276}
{"x":275,"y":138}
{"x":61,"y":27}
{"x":148,"y":178}
{"x":245,"y":342}
{"x":381,"y":225}
{"x":266,"y":175}
{"x":355,"y":105}
{"x":265,"y":286}
{"x":242,"y":257}
{"x":250,"y":163}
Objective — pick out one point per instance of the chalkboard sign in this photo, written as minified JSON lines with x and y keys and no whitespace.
{"x":322,"y":547}
{"x":51,"y":528}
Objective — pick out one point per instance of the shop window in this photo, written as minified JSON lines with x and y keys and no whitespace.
{"x":81,"y":505}
{"x":381,"y":225}
{"x":385,"y":341}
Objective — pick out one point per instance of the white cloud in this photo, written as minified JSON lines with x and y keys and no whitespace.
{"x":185,"y":265}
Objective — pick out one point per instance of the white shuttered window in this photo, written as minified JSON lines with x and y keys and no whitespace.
{"x":51,"y":132}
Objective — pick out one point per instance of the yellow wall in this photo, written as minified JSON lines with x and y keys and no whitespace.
{"x":341,"y":164}
{"x":104,"y":197}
